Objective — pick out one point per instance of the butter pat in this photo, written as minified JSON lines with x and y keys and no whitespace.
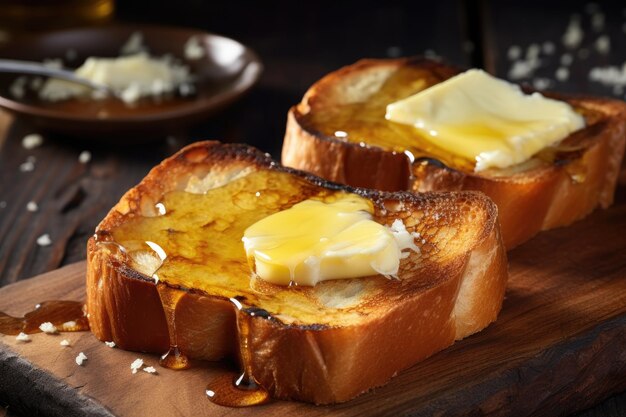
{"x":315,"y":241}
{"x":130,"y":77}
{"x":483,"y":119}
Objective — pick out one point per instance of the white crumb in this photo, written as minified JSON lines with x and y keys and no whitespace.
{"x":514,"y":52}
{"x":150,"y":370}
{"x":44,"y":240}
{"x":133,"y":45}
{"x":84,"y":157}
{"x":32,"y":206}
{"x":32,"y":141}
{"x":186,"y":89}
{"x":609,"y":76}
{"x":22,"y":337}
{"x":17,"y":88}
{"x":541,"y":83}
{"x":194,"y":49}
{"x":69,"y":324}
{"x":27,"y":166}
{"x":131,"y":93}
{"x":567,"y":59}
{"x":597,"y":21}
{"x":65,"y":343}
{"x":603,"y":44}
{"x":523,"y":69}
{"x":80,"y":359}
{"x":574,"y":34}
{"x":36,"y":83}
{"x":394,"y":51}
{"x":110,"y":344}
{"x":533,"y":51}
{"x":136,"y":365}
{"x":548,"y":48}
{"x":431,"y":54}
{"x":3,"y":204}
{"x":562,"y":74}
{"x":48,"y":328}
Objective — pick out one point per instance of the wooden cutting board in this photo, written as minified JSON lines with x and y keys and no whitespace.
{"x":558,"y":346}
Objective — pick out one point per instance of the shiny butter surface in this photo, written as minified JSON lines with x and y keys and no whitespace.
{"x":479,"y":117}
{"x":363,"y":121}
{"x":322,"y":240}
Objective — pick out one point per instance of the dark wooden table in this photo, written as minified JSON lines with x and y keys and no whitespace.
{"x":298,"y":42}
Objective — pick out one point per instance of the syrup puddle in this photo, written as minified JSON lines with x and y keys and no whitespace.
{"x":55,"y":312}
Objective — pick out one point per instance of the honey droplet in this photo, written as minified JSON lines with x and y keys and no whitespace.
{"x":239,"y":391}
{"x":174,"y":359}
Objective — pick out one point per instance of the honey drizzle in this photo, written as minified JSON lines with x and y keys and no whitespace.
{"x":57,"y":312}
{"x":174,"y":358}
{"x":242,"y":390}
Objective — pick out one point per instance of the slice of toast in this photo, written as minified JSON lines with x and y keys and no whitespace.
{"x":339,"y":132}
{"x":321,"y":344}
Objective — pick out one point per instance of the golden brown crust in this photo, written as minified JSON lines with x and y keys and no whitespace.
{"x":456,"y":290}
{"x":538,"y":199}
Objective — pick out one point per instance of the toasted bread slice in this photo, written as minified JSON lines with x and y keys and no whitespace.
{"x":321,"y":344}
{"x":558,"y":186}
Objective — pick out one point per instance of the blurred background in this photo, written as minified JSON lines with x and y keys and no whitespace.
{"x":568,"y":46}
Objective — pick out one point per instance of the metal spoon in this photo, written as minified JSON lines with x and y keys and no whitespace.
{"x":37,"y":68}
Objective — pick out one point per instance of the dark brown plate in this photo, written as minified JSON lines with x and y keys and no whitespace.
{"x":227,"y":71}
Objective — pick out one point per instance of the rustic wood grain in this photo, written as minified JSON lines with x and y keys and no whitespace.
{"x":557,"y":347}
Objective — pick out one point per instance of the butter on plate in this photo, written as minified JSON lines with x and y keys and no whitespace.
{"x":316,"y":240}
{"x":487,"y":120}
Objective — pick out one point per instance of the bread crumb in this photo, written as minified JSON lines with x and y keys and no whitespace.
{"x":394,"y":52}
{"x":603,"y":44}
{"x":562,"y":74}
{"x":533,"y":51}
{"x":548,"y":48}
{"x":597,"y":21}
{"x":541,"y":83}
{"x":567,"y":59}
{"x":194,"y":49}
{"x":574,"y":34}
{"x":32,"y":206}
{"x":150,"y":370}
{"x":514,"y":52}
{"x":3,"y":204}
{"x":48,"y":328}
{"x":136,"y":365}
{"x":110,"y":344}
{"x":17,"y":88}
{"x":80,"y":359}
{"x":32,"y":141}
{"x":133,"y":45}
{"x":84,"y":157}
{"x":22,"y":337}
{"x":44,"y":240}
{"x":65,"y":343}
{"x":27,"y":166}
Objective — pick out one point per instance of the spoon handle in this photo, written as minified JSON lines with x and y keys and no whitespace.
{"x":37,"y":68}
